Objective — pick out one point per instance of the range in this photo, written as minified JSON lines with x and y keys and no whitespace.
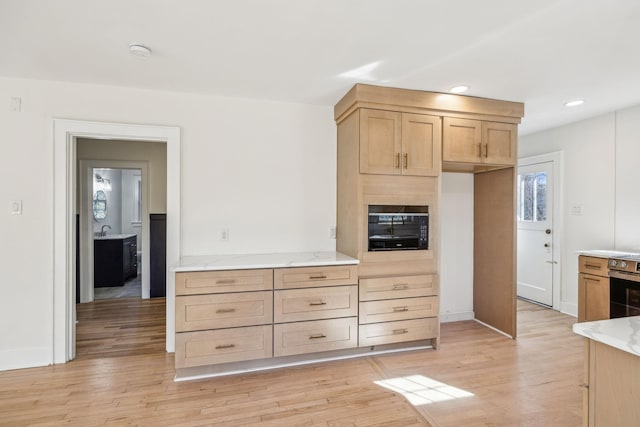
{"x":624,"y":275}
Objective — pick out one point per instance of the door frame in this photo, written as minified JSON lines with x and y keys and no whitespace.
{"x":556,"y":159}
{"x":86,"y":225}
{"x":65,"y":133}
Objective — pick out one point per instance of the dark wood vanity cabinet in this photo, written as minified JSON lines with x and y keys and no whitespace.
{"x":114,"y":261}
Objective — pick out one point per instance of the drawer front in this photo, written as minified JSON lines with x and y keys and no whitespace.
{"x":593,"y":265}
{"x":381,"y":288}
{"x":223,"y":345}
{"x":315,"y":336}
{"x":398,"y":309}
{"x":395,"y":332}
{"x":310,"y":277}
{"x":216,"y":311}
{"x":294,"y":305}
{"x":208,"y":282}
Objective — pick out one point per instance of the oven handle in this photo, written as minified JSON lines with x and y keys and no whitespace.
{"x":634,"y":277}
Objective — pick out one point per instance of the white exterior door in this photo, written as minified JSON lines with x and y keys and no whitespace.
{"x":535,"y":232}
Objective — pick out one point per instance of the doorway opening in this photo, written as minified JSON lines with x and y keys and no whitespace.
{"x":539,"y":229}
{"x":66,"y":182}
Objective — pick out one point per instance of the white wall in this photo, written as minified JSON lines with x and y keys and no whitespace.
{"x":456,"y":247}
{"x":265,"y":170}
{"x":598,"y":158}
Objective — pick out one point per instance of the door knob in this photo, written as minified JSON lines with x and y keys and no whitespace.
{"x":547,"y":231}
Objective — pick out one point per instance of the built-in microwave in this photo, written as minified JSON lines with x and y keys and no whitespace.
{"x":398,"y":227}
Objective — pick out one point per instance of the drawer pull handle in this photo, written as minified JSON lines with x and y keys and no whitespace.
{"x":318,"y":303}
{"x":224,"y":346}
{"x":400,"y":331}
{"x":397,"y":309}
{"x":592,"y":266}
{"x":318,"y":277}
{"x":400,"y":287}
{"x":225,"y":281}
{"x":225,"y":310}
{"x":317,"y":336}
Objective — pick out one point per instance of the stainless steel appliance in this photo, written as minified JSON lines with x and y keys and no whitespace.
{"x":398,"y":227}
{"x":624,"y":278}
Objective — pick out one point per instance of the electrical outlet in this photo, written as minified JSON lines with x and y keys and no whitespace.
{"x":15,"y":207}
{"x":15,"y":104}
{"x":224,"y":234}
{"x":332,"y":232}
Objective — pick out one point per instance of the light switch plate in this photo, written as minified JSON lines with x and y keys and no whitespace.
{"x":15,"y":207}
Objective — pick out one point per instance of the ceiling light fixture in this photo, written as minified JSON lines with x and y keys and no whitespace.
{"x":574,"y":103}
{"x":459,"y":89}
{"x":139,"y":50}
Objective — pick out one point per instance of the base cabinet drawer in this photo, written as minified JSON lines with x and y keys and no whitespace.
{"x":217,"y":311}
{"x":310,"y":277}
{"x":315,"y":336}
{"x":395,"y":332}
{"x":380,"y":288}
{"x":223,"y":345}
{"x":398,"y":309}
{"x":294,"y":305}
{"x":593,"y":265}
{"x":208,"y":282}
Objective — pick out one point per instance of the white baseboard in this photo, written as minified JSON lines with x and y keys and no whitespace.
{"x":456,"y":317}
{"x":25,"y":358}
{"x":569,"y":308}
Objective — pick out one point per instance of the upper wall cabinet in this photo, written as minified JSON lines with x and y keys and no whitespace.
{"x":394,"y":143}
{"x":475,"y":141}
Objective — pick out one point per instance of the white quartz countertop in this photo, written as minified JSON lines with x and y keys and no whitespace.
{"x":608,"y":253}
{"x":622,"y":333}
{"x":269,"y":260}
{"x":113,"y":236}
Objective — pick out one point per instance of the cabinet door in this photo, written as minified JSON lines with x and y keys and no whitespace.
{"x":499,"y":143}
{"x":461,"y":140}
{"x":420,"y":145}
{"x":380,"y":142}
{"x":594,"y":291}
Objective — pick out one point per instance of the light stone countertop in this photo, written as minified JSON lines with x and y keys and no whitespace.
{"x":113,"y":236}
{"x":608,"y":253}
{"x":268,"y":260}
{"x":621,"y":333}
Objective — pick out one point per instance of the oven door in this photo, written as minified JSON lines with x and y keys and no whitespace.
{"x":624,"y":294}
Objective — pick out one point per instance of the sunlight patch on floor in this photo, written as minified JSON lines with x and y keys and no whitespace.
{"x":420,"y":390}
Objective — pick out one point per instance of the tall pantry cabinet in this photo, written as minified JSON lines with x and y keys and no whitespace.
{"x":393,"y":145}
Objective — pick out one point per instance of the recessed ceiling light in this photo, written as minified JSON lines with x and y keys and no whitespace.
{"x":459,"y":89}
{"x":139,"y":50}
{"x":574,"y":103}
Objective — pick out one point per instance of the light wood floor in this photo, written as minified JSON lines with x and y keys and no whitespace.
{"x":122,"y":376}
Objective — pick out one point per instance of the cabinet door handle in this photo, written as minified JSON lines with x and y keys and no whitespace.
{"x":318,"y":277}
{"x":223,"y":346}
{"x":397,"y":160}
{"x":317,"y":303}
{"x":479,"y":149}
{"x":406,"y":160}
{"x":588,"y":279}
{"x":398,"y":309}
{"x":317,"y":336}
{"x":225,"y":281}
{"x":486,"y":149}
{"x":225,"y":310}
{"x":400,"y":331}
{"x":400,"y":287}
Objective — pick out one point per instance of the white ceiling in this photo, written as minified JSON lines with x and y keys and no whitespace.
{"x":542,"y":52}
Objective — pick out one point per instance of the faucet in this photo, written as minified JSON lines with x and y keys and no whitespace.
{"x":102,"y":232}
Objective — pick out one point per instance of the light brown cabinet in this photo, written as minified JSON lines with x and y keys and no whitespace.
{"x":593,"y":289}
{"x":394,"y":143}
{"x":476,"y":141}
{"x":611,"y":386}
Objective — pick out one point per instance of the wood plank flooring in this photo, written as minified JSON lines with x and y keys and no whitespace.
{"x":122,"y":376}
